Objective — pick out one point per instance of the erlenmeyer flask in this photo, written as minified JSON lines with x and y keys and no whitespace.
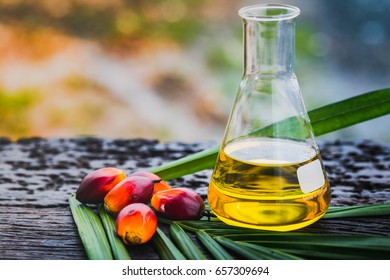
{"x":269,"y":173}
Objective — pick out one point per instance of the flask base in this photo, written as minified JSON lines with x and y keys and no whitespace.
{"x":281,"y":228}
{"x":272,"y":215}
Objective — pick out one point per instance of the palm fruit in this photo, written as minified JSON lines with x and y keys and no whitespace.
{"x":136,"y":224}
{"x":159,"y":184}
{"x":95,"y":186}
{"x":134,"y":189}
{"x":178,"y":204}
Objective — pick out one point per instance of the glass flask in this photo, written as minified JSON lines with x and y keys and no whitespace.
{"x":269,"y":174}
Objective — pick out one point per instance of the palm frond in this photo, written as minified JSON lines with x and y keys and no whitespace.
{"x":212,"y":246}
{"x":165,"y":247}
{"x":90,"y":230}
{"x":375,"y":210}
{"x":118,"y":248}
{"x":325,"y":119}
{"x":187,"y":247}
{"x":255,"y":252}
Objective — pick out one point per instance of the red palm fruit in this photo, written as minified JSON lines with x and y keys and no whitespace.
{"x":133,"y":189}
{"x":136,"y":224}
{"x":179,"y":204}
{"x":94,"y":187}
{"x":159,"y":184}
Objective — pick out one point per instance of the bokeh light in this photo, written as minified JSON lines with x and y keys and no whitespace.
{"x":169,"y":69}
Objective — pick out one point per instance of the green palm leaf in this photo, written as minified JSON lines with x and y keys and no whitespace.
{"x":349,"y":246}
{"x":184,"y":243}
{"x":323,"y":120}
{"x":165,"y":248}
{"x":244,"y":252}
{"x":255,"y":252}
{"x":358,"y":211}
{"x":375,"y":210}
{"x":317,"y":246}
{"x":90,"y":230}
{"x":212,"y":246}
{"x":118,"y":248}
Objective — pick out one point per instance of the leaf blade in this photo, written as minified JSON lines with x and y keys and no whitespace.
{"x":187,"y":165}
{"x":351,"y":111}
{"x":358,"y":211}
{"x":212,"y":246}
{"x":230,"y":244}
{"x":185,"y":244}
{"x":90,"y":230}
{"x":323,"y":120}
{"x":165,"y":248}
{"x":118,"y":248}
{"x":272,"y":254}
{"x":350,"y":246}
{"x":255,"y":252}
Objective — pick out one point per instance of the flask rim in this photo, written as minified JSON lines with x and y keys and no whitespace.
{"x":269,"y":12}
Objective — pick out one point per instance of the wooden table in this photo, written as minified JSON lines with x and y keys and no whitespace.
{"x":37,"y":176}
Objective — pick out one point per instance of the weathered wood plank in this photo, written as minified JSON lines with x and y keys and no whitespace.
{"x":46,"y":233}
{"x":49,"y":233}
{"x":43,"y":173}
{"x":38,"y":233}
{"x":37,"y":177}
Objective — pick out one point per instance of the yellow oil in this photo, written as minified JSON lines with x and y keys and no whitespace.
{"x":265,"y":184}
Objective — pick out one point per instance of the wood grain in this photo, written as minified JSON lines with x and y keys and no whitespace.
{"x":37,"y":176}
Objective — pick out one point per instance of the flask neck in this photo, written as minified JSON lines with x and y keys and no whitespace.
{"x":269,"y":47}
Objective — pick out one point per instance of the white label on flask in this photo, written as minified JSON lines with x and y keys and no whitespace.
{"x":311,"y":176}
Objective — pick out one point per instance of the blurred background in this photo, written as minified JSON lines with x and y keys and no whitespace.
{"x":170,"y":69}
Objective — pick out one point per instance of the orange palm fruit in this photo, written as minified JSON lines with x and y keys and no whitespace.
{"x":178,"y":204}
{"x":133,"y":189}
{"x":159,"y":184}
{"x":94,"y":187}
{"x":136,"y":224}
